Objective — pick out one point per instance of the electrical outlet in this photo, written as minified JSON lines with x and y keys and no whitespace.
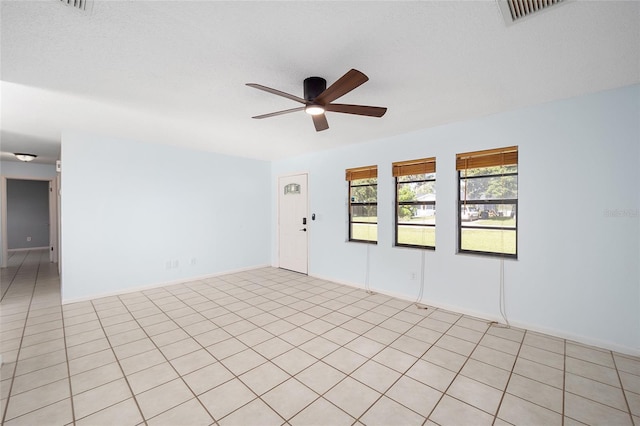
{"x":175,"y":263}
{"x":412,"y":276}
{"x":192,"y":261}
{"x":28,"y":238}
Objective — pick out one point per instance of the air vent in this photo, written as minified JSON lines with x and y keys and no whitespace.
{"x":82,"y":5}
{"x":516,"y":10}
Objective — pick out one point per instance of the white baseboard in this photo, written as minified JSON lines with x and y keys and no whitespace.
{"x":161,"y":284}
{"x":585,"y":340}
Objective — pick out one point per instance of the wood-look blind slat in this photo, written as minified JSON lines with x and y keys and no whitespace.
{"x":414,"y":167}
{"x":489,"y":158}
{"x":367,"y":172}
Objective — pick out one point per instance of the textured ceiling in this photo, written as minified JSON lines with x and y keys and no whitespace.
{"x":175,"y":72}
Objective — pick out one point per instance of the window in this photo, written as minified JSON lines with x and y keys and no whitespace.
{"x":488,"y":201}
{"x":363,"y":204}
{"x":415,"y":203}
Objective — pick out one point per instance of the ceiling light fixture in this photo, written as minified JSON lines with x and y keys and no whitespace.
{"x":25,"y":157}
{"x":314,"y":109}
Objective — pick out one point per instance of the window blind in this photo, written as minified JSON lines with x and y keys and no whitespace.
{"x":488,"y":158}
{"x":367,"y":172}
{"x":414,"y":167}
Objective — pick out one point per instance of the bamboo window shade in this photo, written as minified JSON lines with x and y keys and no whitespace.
{"x":414,"y":167}
{"x":367,"y":172}
{"x":489,"y":158}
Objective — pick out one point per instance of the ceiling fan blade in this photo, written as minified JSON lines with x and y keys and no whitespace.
{"x":277,"y":92}
{"x":370,"y":111}
{"x":273,"y":114}
{"x":320,"y":121}
{"x":342,"y":86}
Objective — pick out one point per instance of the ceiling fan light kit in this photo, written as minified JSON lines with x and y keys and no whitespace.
{"x":318,"y":97}
{"x":25,"y":157}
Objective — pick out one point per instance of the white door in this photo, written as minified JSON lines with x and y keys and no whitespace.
{"x":293,"y":222}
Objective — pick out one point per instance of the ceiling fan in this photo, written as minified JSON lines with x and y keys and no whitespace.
{"x":318,"y":97}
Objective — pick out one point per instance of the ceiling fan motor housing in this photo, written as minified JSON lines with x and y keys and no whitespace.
{"x":313,"y":86}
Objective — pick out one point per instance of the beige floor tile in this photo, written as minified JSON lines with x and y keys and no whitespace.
{"x":226,"y":398}
{"x":255,"y":337}
{"x":544,"y":342}
{"x":466,"y":333}
{"x":122,"y":413}
{"x":634,"y":402}
{"x":456,"y":345}
{"x":243,"y":361}
{"x":151,"y":377}
{"x":168,"y":337}
{"x":182,"y":347}
{"x":395,"y":359}
{"x":96,"y":377}
{"x":376,"y":376}
{"x":451,"y":411}
{"x":340,"y":336}
{"x":431,"y":374}
{"x":364,"y":346}
{"x":161,"y":327}
{"x":596,"y":391}
{"x":541,"y":356}
{"x":91,"y":361}
{"x":485,"y":373}
{"x":321,"y":412}
{"x":320,"y":377}
{"x":212,"y":337}
{"x":591,"y":354}
{"x":345,"y":360}
{"x":226,"y":348}
{"x":510,"y":333}
{"x":193,"y":361}
{"x":518,"y":411}
{"x":207,"y":378}
{"x":163,"y":398}
{"x":56,"y":413}
{"x":630,"y":382}
{"x":352,"y":397}
{"x":476,"y":394}
{"x":273,"y":347}
{"x":29,"y":381}
{"x":592,"y":371}
{"x":294,"y":361}
{"x":447,"y":359}
{"x":264,"y":377}
{"x":591,"y":412}
{"x":414,"y":395}
{"x":34,"y":399}
{"x":387,"y":412}
{"x":133,"y":348}
{"x":627,"y":363}
{"x":96,"y":399}
{"x":127,"y":337}
{"x":319,"y":347}
{"x":289,"y":398}
{"x":493,"y":357}
{"x":542,"y":373}
{"x":189,"y":413}
{"x":41,"y":349}
{"x":33,"y":339}
{"x":536,"y":392}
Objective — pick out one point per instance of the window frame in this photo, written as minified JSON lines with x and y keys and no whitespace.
{"x":357,"y":174}
{"x":426,"y":167}
{"x":501,"y":157}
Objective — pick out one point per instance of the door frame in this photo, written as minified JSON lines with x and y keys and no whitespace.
{"x":278,"y":195}
{"x":54,"y":228}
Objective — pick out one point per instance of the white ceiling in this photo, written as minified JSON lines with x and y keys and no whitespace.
{"x":174,"y":72}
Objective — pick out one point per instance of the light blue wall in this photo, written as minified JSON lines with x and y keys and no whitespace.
{"x":129,"y":207}
{"x":27,"y":213}
{"x":577,"y":273}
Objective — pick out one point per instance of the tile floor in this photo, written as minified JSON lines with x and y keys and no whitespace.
{"x":274,"y":347}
